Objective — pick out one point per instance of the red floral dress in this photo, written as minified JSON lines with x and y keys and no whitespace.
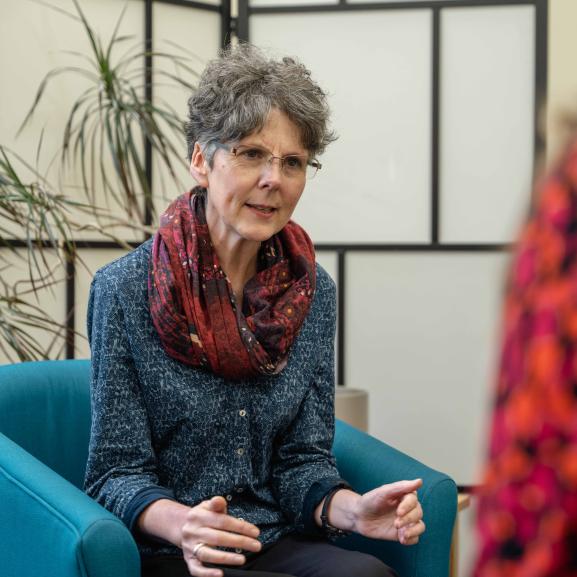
{"x":527,"y":519}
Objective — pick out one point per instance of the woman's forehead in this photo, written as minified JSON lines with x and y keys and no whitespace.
{"x":278,"y":130}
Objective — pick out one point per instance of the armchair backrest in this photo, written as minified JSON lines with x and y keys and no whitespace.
{"x":45,"y":408}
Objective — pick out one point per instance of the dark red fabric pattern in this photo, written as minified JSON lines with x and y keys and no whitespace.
{"x":193,"y":306}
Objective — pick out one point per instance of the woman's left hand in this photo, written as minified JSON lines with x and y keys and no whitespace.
{"x":391,"y":512}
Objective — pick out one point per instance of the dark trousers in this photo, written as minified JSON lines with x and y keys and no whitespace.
{"x":292,"y":556}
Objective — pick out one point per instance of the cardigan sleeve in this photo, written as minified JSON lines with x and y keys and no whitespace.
{"x":304,"y":468}
{"x":121,"y":470}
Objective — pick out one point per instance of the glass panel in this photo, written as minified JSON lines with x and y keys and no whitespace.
{"x":422,"y":333}
{"x":487,"y":67}
{"x":329,"y":261}
{"x":49,"y":35}
{"x":51,"y":300}
{"x":267,"y":3}
{"x":375,"y":181}
{"x":396,"y":1}
{"x":194,"y":34}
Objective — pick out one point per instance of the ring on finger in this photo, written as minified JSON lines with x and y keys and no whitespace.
{"x":197,"y":548}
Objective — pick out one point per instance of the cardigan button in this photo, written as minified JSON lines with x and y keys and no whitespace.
{"x":242,"y":413}
{"x":240,"y":451}
{"x":229,"y":497}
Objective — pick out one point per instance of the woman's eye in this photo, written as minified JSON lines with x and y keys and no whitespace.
{"x":252,"y":154}
{"x":293,"y":162}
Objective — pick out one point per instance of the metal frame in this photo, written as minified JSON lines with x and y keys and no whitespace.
{"x":435,"y":245}
{"x":240,"y":27}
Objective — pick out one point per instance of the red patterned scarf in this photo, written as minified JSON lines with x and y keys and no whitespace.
{"x":192,"y":303}
{"x":527,"y":521}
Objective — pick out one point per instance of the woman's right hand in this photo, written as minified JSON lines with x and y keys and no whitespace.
{"x":209,"y":524}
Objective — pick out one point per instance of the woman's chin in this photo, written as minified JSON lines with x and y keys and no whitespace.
{"x":260,"y":233}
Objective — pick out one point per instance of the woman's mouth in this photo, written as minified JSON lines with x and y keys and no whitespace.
{"x":261,"y":209}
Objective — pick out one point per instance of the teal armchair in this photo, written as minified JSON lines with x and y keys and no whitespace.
{"x":50,"y":528}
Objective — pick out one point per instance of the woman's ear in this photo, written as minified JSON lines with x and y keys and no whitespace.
{"x":199,"y":166}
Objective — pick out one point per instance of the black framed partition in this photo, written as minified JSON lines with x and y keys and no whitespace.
{"x":436,"y":104}
{"x":438,"y":27}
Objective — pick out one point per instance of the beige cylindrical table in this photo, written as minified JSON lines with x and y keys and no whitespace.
{"x":352,"y":406}
{"x":463,"y":502}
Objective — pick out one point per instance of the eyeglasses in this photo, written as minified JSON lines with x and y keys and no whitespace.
{"x":255,"y":158}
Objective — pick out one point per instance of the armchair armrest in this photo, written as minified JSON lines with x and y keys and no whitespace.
{"x":51,"y":528}
{"x":366,"y":463}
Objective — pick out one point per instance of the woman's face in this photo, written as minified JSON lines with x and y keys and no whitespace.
{"x":248,"y":204}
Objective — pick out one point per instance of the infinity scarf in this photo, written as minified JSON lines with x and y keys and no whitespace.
{"x":527,"y":521}
{"x":192,"y":303}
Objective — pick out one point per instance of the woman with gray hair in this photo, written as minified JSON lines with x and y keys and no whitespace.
{"x":212,"y":356}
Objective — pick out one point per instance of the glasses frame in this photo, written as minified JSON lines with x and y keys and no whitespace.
{"x":312,"y":162}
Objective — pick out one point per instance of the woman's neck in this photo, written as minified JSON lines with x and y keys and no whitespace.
{"x":238,"y":260}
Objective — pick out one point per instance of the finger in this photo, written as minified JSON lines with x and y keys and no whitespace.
{"x":196,"y":569}
{"x":230,"y":524}
{"x":410,"y":535}
{"x":216,"y":504}
{"x":411,"y":541}
{"x":409,"y":519}
{"x":217,"y":538}
{"x":402,"y":534}
{"x":391,"y":494}
{"x":208,"y":554}
{"x":415,"y":530}
{"x":403,"y":487}
{"x":408,"y":516}
{"x":407,"y":504}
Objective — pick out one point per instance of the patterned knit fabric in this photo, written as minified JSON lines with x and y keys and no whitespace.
{"x":161,"y":428}
{"x":528,"y":502}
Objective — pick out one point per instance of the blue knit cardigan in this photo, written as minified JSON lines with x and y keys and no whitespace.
{"x":161,"y":429}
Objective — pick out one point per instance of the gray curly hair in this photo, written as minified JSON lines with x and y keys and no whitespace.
{"x":237,"y":91}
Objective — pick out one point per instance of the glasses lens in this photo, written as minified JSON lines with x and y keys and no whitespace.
{"x":250,"y":156}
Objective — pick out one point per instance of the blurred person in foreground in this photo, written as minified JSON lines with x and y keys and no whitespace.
{"x":527,"y":518}
{"x":212,"y":356}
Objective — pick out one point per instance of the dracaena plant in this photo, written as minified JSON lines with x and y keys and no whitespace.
{"x":46,"y":227}
{"x":111,"y":121}
{"x":104,"y":140}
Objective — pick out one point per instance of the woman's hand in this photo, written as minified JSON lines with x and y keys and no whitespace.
{"x":391,"y":512}
{"x":209,"y":526}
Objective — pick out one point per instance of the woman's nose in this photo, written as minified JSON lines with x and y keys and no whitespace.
{"x":272,"y":171}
